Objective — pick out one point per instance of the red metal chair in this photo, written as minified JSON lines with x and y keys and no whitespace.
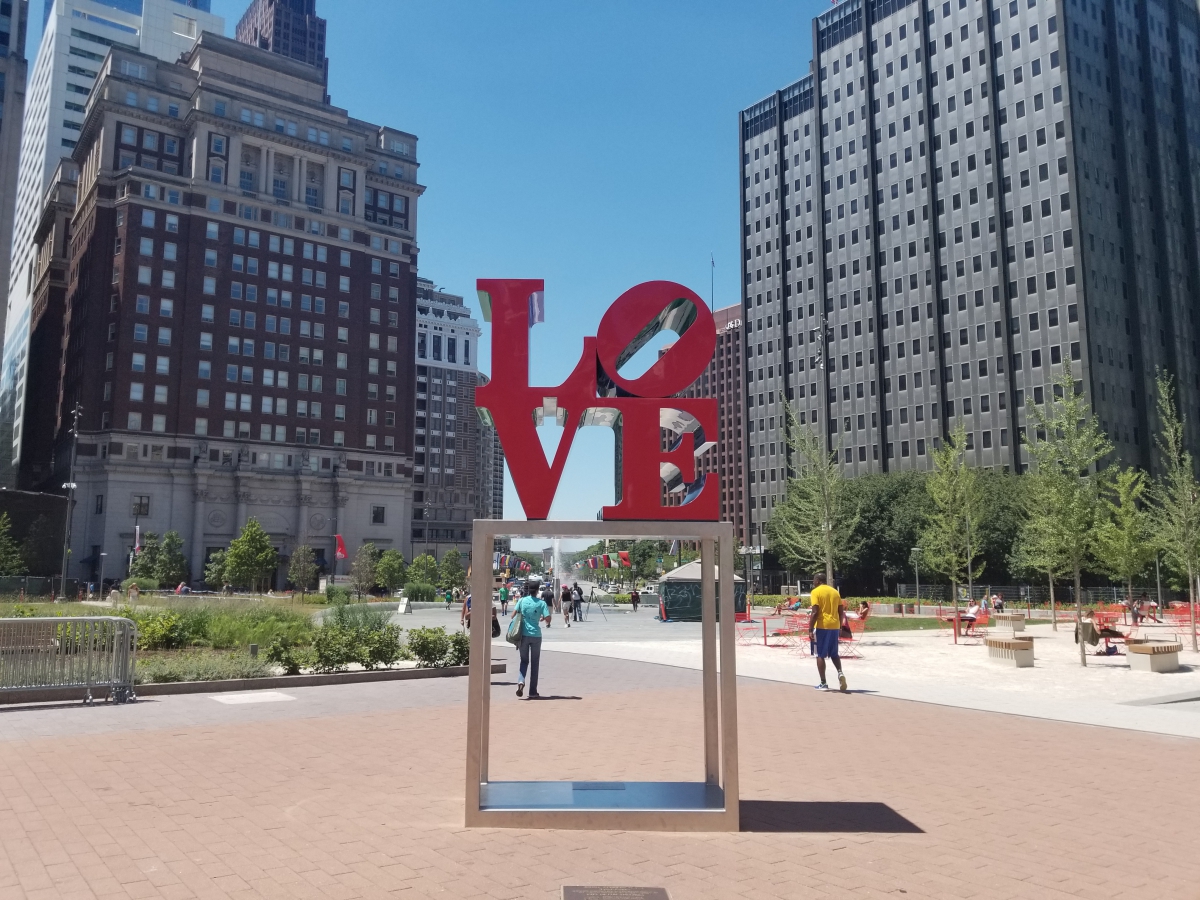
{"x":848,"y":647}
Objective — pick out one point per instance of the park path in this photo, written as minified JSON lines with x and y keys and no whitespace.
{"x":356,"y":791}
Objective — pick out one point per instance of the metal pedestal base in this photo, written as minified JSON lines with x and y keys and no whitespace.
{"x":707,"y":805}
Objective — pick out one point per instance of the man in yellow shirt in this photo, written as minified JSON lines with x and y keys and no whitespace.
{"x":826,"y":620}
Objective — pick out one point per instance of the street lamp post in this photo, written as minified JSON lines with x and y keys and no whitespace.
{"x":70,"y":488}
{"x":915,"y":553}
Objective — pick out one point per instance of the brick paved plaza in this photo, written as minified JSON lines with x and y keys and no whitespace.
{"x":356,"y":791}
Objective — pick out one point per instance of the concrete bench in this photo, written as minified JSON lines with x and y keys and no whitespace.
{"x":1018,"y":651}
{"x":1016,"y":621}
{"x":1154,"y":656}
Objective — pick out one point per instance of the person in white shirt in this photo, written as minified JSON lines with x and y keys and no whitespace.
{"x":969,"y":617}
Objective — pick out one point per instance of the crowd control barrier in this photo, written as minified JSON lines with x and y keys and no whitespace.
{"x":69,"y":654}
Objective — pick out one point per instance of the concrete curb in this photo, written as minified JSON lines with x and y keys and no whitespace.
{"x":45,"y":695}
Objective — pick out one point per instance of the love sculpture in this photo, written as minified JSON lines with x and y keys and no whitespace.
{"x":640,"y":410}
{"x":596,"y":394}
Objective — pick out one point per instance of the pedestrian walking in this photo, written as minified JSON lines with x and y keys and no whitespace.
{"x":825,"y":623}
{"x":635,"y":598}
{"x":577,"y":601}
{"x":504,"y":599}
{"x":533,"y":611}
{"x":549,"y":598}
{"x":564,"y":603}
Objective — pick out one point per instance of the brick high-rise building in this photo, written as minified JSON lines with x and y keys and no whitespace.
{"x":958,"y":201}
{"x":724,"y":379}
{"x":75,"y":39}
{"x":240,"y":309}
{"x":290,"y":28}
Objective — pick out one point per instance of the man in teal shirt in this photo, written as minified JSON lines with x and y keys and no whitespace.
{"x":533,"y":611}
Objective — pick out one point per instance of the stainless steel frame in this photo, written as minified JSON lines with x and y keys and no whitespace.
{"x":68,"y":653}
{"x":707,"y":805}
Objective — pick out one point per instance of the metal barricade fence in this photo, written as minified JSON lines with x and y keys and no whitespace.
{"x":69,"y":653}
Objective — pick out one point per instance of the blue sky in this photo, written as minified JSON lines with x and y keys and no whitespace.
{"x":592,"y":145}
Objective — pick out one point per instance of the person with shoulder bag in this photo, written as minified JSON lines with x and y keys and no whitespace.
{"x":528,"y":615}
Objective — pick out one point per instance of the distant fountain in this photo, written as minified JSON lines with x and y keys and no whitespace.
{"x":556,"y":561}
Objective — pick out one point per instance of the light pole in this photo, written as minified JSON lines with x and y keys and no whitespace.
{"x":70,"y":488}
{"x":102,"y":555}
{"x":915,"y":554}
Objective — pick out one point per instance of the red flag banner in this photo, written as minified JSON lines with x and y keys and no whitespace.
{"x":340,"y":553}
{"x":624,"y":554}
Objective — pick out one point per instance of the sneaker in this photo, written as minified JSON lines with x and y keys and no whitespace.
{"x":822,"y":686}
{"x":520,"y":688}
{"x":842,"y":682}
{"x":535,"y":696}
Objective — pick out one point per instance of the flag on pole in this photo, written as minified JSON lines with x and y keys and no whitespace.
{"x":340,"y":553}
{"x":674,"y":548}
{"x":537,"y":307}
{"x":137,"y":538}
{"x":624,"y":555}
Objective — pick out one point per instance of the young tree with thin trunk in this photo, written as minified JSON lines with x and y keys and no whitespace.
{"x":1068,"y":448}
{"x":1038,"y":548}
{"x":949,"y":543}
{"x":813,"y":526}
{"x":1124,"y":543}
{"x":1176,"y":497}
{"x":362,"y":570}
{"x":302,"y":569}
{"x":390,"y":571}
{"x":251,"y":559}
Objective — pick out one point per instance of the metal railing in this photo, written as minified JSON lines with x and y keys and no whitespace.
{"x":69,"y":654}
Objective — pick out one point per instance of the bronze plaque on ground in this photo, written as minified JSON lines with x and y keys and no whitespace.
{"x":613,"y":892}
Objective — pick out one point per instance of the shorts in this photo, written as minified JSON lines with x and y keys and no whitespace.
{"x":827,"y":643}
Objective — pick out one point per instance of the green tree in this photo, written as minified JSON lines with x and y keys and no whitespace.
{"x":950,"y":541}
{"x":362,"y":569}
{"x":42,"y":548}
{"x":251,"y":559}
{"x":891,"y":513}
{"x":1124,"y":543}
{"x":145,"y":561}
{"x":1176,"y":497}
{"x":1038,"y":549}
{"x":424,"y":570}
{"x":172,"y":566}
{"x":451,"y":573}
{"x":215,"y":574}
{"x":302,"y":569}
{"x":1068,"y":447}
{"x":813,"y":526}
{"x":390,"y":571}
{"x":11,"y":562}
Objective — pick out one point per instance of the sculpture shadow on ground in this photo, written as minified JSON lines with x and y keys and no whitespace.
{"x":827,"y":817}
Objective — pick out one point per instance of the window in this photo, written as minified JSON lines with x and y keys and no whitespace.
{"x":141,"y":333}
{"x":135,"y":421}
{"x":378,"y":515}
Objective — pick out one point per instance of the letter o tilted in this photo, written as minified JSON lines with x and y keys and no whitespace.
{"x":636,"y":317}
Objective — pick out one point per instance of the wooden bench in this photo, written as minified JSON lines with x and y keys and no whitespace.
{"x":1014,"y":620}
{"x":1154,"y":656}
{"x":1018,"y":651}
